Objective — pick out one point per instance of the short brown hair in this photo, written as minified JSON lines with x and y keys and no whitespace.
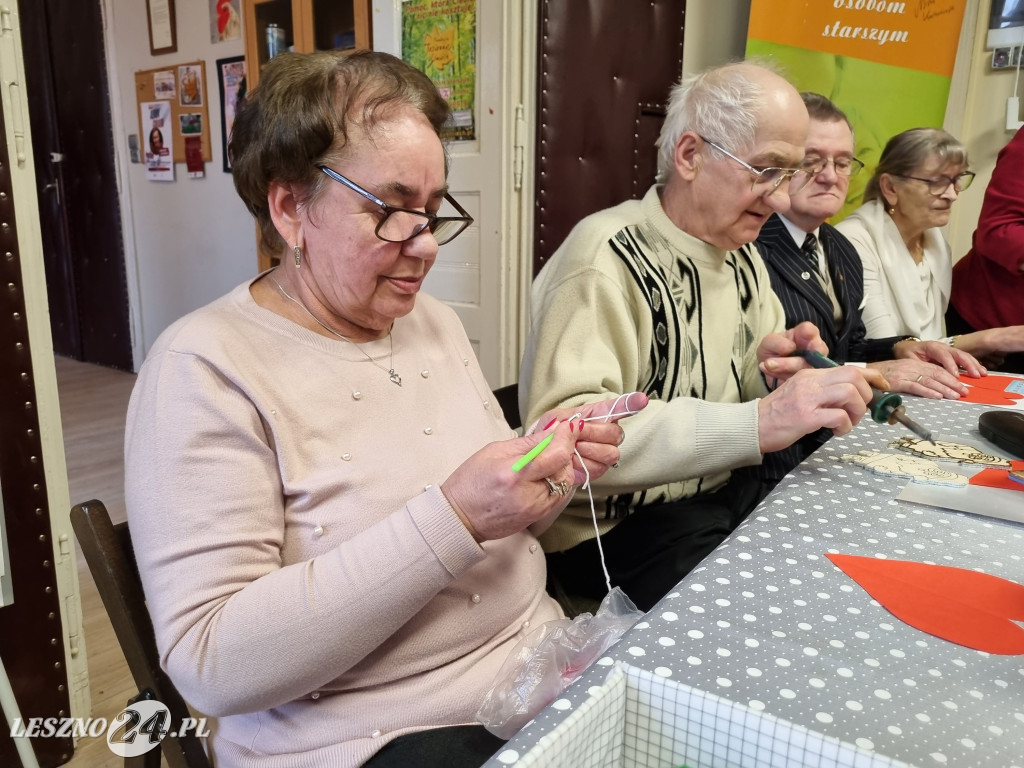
{"x":823,"y":109}
{"x":906,"y":151}
{"x":300,"y":115}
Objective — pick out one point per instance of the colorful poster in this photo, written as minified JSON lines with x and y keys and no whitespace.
{"x":157,"y":137}
{"x":191,"y":78}
{"x":165,"y":87}
{"x":225,"y":21}
{"x":232,"y":90}
{"x":886,"y":64}
{"x":194,"y":157}
{"x":439,"y":38}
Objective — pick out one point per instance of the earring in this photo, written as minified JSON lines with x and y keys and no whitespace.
{"x":890,"y":209}
{"x":298,"y":256}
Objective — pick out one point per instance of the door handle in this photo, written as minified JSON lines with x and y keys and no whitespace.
{"x":56,"y":189}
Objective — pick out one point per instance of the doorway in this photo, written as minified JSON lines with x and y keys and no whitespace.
{"x":79,"y":210}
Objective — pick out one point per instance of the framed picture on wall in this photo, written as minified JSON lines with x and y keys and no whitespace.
{"x":163,"y":35}
{"x":231,"y":79}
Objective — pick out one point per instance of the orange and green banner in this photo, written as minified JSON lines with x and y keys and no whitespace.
{"x":886,"y":64}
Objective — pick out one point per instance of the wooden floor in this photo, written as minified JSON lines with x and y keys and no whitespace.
{"x":93,"y":403}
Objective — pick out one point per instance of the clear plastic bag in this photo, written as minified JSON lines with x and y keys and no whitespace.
{"x":545,"y":661}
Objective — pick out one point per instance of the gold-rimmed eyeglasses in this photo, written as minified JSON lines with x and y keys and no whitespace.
{"x":400,"y":224}
{"x":937,"y":186}
{"x":845,"y":166}
{"x":768,"y":179}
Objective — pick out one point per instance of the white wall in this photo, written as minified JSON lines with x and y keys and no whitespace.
{"x":715,"y":33}
{"x":186,"y":242}
{"x":978,"y":118}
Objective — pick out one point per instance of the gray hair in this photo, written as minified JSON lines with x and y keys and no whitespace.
{"x":905,"y":152}
{"x":721,"y":104}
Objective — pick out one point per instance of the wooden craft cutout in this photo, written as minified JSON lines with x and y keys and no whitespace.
{"x":969,"y":608}
{"x":914,"y":467}
{"x":944,"y":451}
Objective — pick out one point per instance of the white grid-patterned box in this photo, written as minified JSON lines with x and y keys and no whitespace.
{"x":639,"y":720}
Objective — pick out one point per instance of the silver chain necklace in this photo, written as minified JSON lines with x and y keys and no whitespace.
{"x":394,"y":377}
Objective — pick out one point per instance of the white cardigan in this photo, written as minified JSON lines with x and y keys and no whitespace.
{"x":901,"y":298}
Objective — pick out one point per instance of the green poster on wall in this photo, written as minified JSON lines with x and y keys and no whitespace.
{"x":439,"y":38}
{"x":886,"y":64}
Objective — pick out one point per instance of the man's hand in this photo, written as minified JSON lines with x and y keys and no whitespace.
{"x":775,"y":349}
{"x":915,"y":377}
{"x":834,"y":398}
{"x":940,"y":353}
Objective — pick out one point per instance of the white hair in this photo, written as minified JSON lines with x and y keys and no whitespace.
{"x":720,"y":104}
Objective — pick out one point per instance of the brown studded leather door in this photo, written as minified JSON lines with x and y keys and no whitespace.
{"x":604,"y":73}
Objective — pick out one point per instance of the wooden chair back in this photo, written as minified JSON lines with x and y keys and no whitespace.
{"x":111,"y":559}
{"x":508,"y":399}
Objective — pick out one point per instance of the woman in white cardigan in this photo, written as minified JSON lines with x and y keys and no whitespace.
{"x":907,"y":262}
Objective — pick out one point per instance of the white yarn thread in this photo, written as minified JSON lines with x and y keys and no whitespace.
{"x":586,"y":485}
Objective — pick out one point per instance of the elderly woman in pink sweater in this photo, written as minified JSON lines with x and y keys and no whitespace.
{"x":336,"y":553}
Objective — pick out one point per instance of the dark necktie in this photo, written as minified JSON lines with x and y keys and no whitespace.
{"x":810,"y":250}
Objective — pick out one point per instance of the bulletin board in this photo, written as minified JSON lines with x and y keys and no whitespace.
{"x":166,"y":84}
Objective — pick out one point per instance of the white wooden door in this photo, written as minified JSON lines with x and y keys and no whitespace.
{"x":468,"y":273}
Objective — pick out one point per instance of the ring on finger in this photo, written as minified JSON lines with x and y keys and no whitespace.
{"x":560,"y":488}
{"x":918,"y":379}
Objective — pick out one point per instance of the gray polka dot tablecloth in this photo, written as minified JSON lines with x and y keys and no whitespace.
{"x":767,"y":621}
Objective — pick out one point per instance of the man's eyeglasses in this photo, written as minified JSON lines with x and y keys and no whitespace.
{"x":400,"y":224}
{"x":937,"y":186}
{"x":845,"y":166}
{"x":768,"y":179}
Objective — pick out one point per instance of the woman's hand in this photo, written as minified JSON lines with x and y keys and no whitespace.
{"x":992,"y":345}
{"x":940,"y":353}
{"x":599,"y":436}
{"x":494,"y":501}
{"x":915,"y":377}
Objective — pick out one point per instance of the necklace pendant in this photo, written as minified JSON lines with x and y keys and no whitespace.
{"x":395,"y":378}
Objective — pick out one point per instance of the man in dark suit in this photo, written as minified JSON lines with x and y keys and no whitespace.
{"x":818,"y":277}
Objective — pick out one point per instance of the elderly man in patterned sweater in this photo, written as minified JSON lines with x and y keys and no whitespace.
{"x":667,"y":295}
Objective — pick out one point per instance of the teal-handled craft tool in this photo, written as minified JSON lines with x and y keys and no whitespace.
{"x":885,"y":407}
{"x":533,"y":453}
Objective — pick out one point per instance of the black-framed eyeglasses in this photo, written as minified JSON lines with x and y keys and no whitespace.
{"x":400,"y":224}
{"x":845,"y":166}
{"x":960,"y":182}
{"x":768,"y":179}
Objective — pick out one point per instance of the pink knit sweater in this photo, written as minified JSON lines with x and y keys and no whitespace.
{"x":310,"y":586}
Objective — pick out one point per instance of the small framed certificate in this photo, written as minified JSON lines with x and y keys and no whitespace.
{"x":163,"y":35}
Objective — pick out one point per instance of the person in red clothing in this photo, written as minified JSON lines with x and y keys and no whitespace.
{"x":988,"y":283}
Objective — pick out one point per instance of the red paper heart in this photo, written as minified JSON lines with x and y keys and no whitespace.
{"x":989,"y":390}
{"x":965,"y":607}
{"x":993,"y":477}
